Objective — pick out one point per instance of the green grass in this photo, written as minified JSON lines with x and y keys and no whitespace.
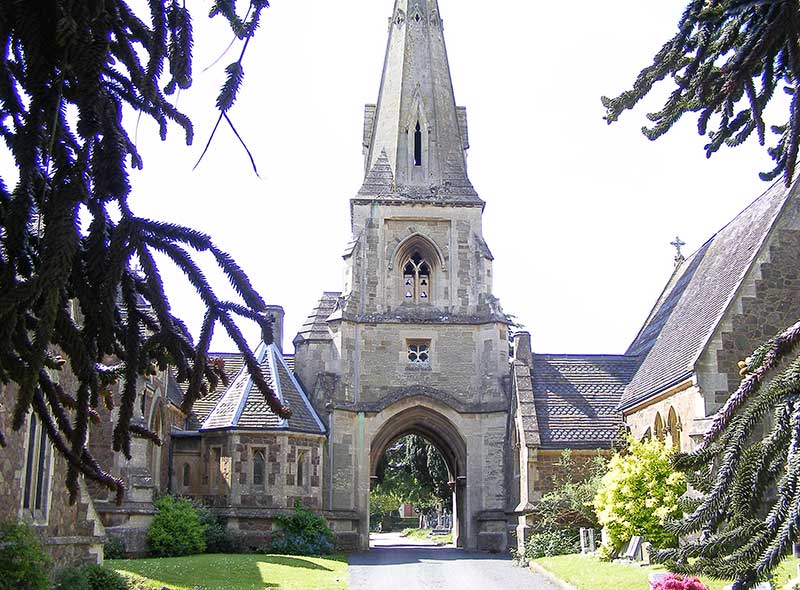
{"x":589,"y":573}
{"x":236,"y":572}
{"x":424,"y":535}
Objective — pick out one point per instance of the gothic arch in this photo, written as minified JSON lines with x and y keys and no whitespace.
{"x":658,"y":427}
{"x":674,"y":428}
{"x":429,"y":424}
{"x":443,"y":434}
{"x":426,"y":245}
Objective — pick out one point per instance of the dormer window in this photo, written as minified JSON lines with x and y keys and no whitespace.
{"x":418,"y":145}
{"x":417,"y":279}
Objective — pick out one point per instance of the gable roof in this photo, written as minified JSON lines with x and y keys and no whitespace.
{"x":576,"y":398}
{"x":241,"y":405}
{"x":697,"y":297}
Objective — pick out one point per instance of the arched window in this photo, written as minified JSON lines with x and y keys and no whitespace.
{"x":658,"y":428}
{"x":674,"y":426}
{"x":417,"y":279}
{"x":302,"y":468}
{"x":37,"y":470}
{"x":187,"y":475}
{"x":259,"y":467}
{"x":157,"y":427}
{"x":418,"y":145}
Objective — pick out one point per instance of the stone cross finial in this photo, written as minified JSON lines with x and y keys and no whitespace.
{"x":678,"y":244}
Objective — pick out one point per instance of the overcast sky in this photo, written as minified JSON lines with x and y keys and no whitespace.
{"x":579,"y":215}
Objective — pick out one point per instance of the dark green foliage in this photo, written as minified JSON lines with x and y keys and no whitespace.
{"x":412,"y":470}
{"x":302,"y":533}
{"x":748,"y":472}
{"x":728,"y":60}
{"x":114,"y":548}
{"x":98,"y":60}
{"x":550,"y":543}
{"x":216,"y":535}
{"x":23,"y":562}
{"x":176,"y":529}
{"x":569,"y":506}
{"x":102,"y":578}
{"x":72,"y":578}
{"x":90,"y":577}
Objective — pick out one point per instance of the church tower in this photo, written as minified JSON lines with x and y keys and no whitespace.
{"x":415,"y":343}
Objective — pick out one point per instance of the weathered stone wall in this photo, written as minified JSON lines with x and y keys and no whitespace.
{"x":71,"y":534}
{"x":687,"y":403}
{"x":767,"y":304}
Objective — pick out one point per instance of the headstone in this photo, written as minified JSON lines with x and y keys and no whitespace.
{"x":634,"y":550}
{"x":587,"y":541}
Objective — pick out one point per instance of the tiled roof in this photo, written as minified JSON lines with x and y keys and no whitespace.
{"x":241,"y":405}
{"x":696,"y":298}
{"x":315,"y":326}
{"x":203,"y":406}
{"x":576,"y":398}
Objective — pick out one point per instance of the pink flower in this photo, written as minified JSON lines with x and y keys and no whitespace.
{"x":675,"y":582}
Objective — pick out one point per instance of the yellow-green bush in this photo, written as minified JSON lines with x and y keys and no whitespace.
{"x":638,"y":494}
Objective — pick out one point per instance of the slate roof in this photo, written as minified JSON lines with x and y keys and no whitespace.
{"x":576,"y":398}
{"x":241,"y":405}
{"x":316,"y":327}
{"x":697,"y":297}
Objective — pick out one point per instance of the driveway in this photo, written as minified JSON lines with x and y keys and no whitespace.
{"x":397,"y":563}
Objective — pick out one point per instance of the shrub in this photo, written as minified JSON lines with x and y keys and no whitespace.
{"x":114,"y":549}
{"x":176,"y":529}
{"x":23,"y":562}
{"x":674,"y":582}
{"x":639,"y":494}
{"x":103,"y":578}
{"x":303,"y":533}
{"x":550,"y":543}
{"x":217,"y":538}
{"x":72,"y":578}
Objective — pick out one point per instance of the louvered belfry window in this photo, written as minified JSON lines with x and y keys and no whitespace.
{"x":417,"y":279}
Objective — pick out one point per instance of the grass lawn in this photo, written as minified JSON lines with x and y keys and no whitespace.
{"x":236,"y":572}
{"x":425,"y":535}
{"x":589,"y":573}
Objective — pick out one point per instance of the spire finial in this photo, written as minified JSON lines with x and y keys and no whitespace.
{"x":678,"y":244}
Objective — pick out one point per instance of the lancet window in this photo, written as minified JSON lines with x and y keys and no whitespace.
{"x":37,"y":470}
{"x":417,"y":279}
{"x":418,"y":145}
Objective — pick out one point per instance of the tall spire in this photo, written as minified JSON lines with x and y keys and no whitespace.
{"x":416,"y":127}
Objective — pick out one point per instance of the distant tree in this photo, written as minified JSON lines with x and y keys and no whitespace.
{"x":728,"y":60}
{"x":413,"y":471}
{"x":73,"y":79}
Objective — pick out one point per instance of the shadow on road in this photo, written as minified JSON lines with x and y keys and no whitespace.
{"x":392,"y":549}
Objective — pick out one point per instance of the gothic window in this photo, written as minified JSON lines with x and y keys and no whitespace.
{"x":187,"y":475}
{"x":302,"y":469}
{"x":417,"y":279}
{"x":37,"y":470}
{"x":658,"y":428}
{"x":214,"y":468}
{"x":674,"y":427}
{"x":418,"y":145}
{"x":259,"y":467}
{"x":419,"y":352}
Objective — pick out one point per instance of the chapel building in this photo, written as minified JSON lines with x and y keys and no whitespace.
{"x":416,"y":342}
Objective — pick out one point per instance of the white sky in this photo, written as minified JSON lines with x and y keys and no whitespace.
{"x":579,"y":215}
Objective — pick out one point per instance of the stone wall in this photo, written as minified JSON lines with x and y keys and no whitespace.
{"x":687,"y":403}
{"x":71,"y":534}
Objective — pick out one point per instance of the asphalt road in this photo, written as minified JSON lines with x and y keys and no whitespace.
{"x":395,"y":563}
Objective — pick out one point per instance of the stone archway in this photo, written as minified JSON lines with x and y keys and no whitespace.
{"x":442,"y":434}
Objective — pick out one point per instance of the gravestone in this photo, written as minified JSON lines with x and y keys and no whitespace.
{"x":634,"y":549}
{"x":587,"y":541}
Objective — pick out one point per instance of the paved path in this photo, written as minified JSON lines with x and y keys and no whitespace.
{"x":396,"y":563}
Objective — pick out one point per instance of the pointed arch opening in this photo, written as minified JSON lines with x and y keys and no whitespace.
{"x":444,"y":437}
{"x":418,"y":261}
{"x":674,"y":427}
{"x":658,"y":427}
{"x":418,"y":145}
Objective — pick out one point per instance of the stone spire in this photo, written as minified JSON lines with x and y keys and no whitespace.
{"x":416,"y":126}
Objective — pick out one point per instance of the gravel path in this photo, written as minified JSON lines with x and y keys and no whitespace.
{"x":396,"y":563}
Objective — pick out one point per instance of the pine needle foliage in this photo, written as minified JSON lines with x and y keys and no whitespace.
{"x":728,"y":60}
{"x":745,"y":517}
{"x":70,"y":73}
